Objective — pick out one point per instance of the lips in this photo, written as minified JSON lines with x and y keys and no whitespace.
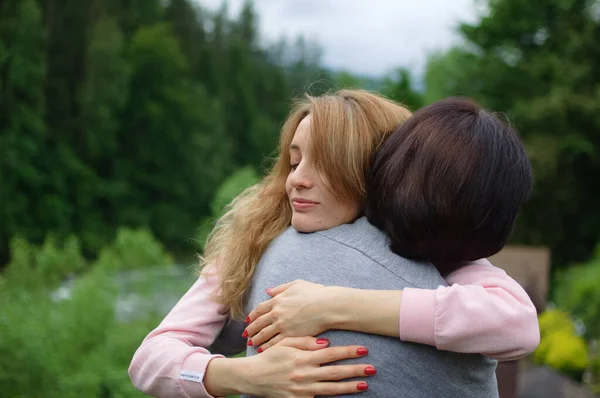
{"x":303,"y":204}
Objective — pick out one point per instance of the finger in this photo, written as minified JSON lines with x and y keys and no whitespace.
{"x":337,"y":388}
{"x":265,"y":335}
{"x":258,"y":324}
{"x":333,"y":354}
{"x":304,"y":343}
{"x":274,"y":291}
{"x":341,"y":372}
{"x":276,"y":340}
{"x":260,"y":309}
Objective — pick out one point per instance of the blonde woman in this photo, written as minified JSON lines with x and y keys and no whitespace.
{"x":344,"y":130}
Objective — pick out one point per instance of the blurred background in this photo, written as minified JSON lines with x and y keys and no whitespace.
{"x":126,"y":125}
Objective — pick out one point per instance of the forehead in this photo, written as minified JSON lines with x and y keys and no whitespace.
{"x":302,"y":133}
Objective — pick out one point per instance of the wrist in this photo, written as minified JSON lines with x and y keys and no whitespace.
{"x":338,"y":308}
{"x":247,"y":375}
{"x":367,"y":311}
{"x":229,"y":376}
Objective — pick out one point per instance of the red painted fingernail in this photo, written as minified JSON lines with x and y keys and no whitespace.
{"x":245,"y":334}
{"x":249,"y":342}
{"x":259,"y":350}
{"x":247,"y":319}
{"x":362,"y":386}
{"x":362,"y":351}
{"x":322,"y":341}
{"x":369,"y":370}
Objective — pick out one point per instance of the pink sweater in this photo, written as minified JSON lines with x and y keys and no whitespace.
{"x":482,"y":310}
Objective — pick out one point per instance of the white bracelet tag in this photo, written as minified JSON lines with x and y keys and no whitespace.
{"x":191,"y":376}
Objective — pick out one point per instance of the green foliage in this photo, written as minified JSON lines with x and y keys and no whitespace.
{"x":555,"y":321}
{"x":54,"y":263}
{"x":576,"y":295}
{"x":170,"y":154}
{"x":566,"y":353}
{"x":345,"y":79}
{"x":22,"y":63}
{"x":595,"y":373}
{"x":577,"y":292}
{"x":400,"y":87}
{"x":36,"y":268}
{"x":66,"y":341}
{"x":44,"y":341}
{"x":133,"y":249}
{"x":229,"y":189}
{"x":104,"y":91}
{"x":450,"y":73}
{"x":133,"y":113}
{"x":232,"y":187}
{"x":560,"y":348}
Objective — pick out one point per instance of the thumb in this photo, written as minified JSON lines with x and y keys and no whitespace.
{"x":304,"y":343}
{"x":274,"y":291}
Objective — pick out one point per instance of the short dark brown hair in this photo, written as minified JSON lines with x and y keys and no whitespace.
{"x":446,"y":186}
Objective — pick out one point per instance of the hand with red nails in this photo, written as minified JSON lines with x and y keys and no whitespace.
{"x":296,"y":309}
{"x":293,"y":368}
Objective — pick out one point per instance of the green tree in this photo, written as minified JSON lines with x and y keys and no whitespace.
{"x":103,"y":96}
{"x":172,"y":151}
{"x":346,"y":79}
{"x":22,"y":130}
{"x":133,"y":14}
{"x":400,"y":87}
{"x":104,"y":91}
{"x":187,"y":20}
{"x":449,"y":73}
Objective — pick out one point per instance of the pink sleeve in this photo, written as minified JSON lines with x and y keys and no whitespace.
{"x":173,"y":358}
{"x":483,"y":310}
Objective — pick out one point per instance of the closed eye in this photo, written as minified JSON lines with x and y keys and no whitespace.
{"x":294,"y":166}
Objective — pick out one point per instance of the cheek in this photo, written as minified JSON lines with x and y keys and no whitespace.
{"x":344,"y":212}
{"x":353,"y":210}
{"x":288,"y":185}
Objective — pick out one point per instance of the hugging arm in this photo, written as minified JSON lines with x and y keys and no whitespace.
{"x":174,"y":360}
{"x":482,"y":311}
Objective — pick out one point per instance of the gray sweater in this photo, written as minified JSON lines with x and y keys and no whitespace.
{"x":357,"y":255}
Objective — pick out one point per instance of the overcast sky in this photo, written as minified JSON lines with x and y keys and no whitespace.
{"x":364,"y":36}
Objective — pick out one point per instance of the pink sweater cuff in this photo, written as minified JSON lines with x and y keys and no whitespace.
{"x":192,"y":374}
{"x":417,"y":316}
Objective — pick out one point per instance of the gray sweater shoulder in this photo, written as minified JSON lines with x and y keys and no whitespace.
{"x":347,"y":248}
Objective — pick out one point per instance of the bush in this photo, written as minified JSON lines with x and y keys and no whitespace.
{"x":44,"y":341}
{"x":560,"y":347}
{"x":45,"y":266}
{"x":578,"y":293}
{"x":72,"y":344}
{"x":595,"y":373}
{"x":133,"y":249}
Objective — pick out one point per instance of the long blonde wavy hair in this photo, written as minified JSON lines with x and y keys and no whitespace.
{"x":347,"y":127}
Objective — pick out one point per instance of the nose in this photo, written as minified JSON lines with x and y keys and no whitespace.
{"x":301,"y":177}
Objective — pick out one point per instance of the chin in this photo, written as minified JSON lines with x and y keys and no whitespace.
{"x":303,"y":227}
{"x":302,"y":223}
